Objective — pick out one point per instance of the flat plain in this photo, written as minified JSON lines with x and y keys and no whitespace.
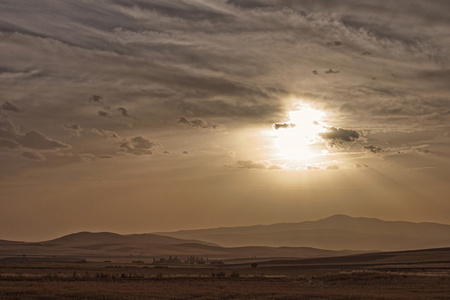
{"x":423,"y":274}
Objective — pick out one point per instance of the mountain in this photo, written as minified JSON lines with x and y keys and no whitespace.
{"x":103,"y":245}
{"x":335,"y":232}
{"x":285,"y":240}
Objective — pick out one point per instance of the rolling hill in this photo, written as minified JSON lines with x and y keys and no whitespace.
{"x":86,"y":238}
{"x":438,"y":258}
{"x":109,"y":245}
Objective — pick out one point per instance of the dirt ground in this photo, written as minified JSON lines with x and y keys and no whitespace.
{"x":127,"y":281}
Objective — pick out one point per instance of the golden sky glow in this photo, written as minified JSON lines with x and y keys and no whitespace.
{"x":145,"y":115}
{"x":301,"y":131}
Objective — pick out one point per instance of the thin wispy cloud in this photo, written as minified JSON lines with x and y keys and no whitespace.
{"x":161,"y":95}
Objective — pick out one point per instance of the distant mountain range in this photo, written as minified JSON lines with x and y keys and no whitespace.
{"x":335,"y":233}
{"x":340,"y":235}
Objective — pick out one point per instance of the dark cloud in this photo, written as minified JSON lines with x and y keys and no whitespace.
{"x":422,"y":149}
{"x":340,"y":138}
{"x":196,"y":123}
{"x":75,"y":129}
{"x":335,"y":44}
{"x":185,"y":152}
{"x":177,"y":10}
{"x":72,"y":127}
{"x":373,"y":149}
{"x":78,"y":131}
{"x":196,"y":71}
{"x":7,"y":143}
{"x":331,"y":71}
{"x":95,"y":99}
{"x":32,"y":155}
{"x":138,"y":146}
{"x":102,"y":133}
{"x":103,"y":114}
{"x":31,"y":139}
{"x":230,"y":109}
{"x":7,"y":128}
{"x":124,"y":113}
{"x":340,"y":134}
{"x":36,"y":140}
{"x":283,"y":125}
{"x":10,"y":107}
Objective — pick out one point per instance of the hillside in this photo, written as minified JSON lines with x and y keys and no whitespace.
{"x":107,"y":245}
{"x":424,"y":258}
{"x":86,"y":238}
{"x":335,"y":232}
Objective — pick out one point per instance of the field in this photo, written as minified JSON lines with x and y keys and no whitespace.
{"x":379,"y":276}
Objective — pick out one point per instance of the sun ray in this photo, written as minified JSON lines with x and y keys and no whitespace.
{"x":294,"y":138}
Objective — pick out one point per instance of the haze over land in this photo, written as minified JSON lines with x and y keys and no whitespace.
{"x":137,"y":116}
{"x":336,"y":232}
{"x":334,"y":236}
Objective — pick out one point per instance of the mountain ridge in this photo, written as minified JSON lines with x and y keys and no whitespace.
{"x":332,"y":217}
{"x":338,"y":233}
{"x":335,"y":232}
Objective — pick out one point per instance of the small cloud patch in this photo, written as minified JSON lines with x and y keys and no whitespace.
{"x":8,"y":143}
{"x":74,"y":129}
{"x":32,"y":155}
{"x":95,"y":99}
{"x":277,"y":126}
{"x":36,"y":140}
{"x":138,"y":146}
{"x":196,"y":123}
{"x":361,"y":165}
{"x":125,"y":113}
{"x":333,"y":167}
{"x":331,"y":71}
{"x":373,"y":149}
{"x":339,"y":138}
{"x":31,"y":139}
{"x":249,"y":164}
{"x":102,"y":113}
{"x":335,"y":44}
{"x":10,"y":107}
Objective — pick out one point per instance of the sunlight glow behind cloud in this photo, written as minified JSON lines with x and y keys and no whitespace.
{"x":293,"y":141}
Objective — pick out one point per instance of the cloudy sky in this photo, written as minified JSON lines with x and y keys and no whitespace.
{"x":148,"y":115}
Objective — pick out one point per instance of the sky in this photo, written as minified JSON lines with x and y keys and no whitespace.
{"x":136,"y":116}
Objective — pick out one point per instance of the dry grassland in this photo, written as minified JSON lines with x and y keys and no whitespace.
{"x":126,"y":281}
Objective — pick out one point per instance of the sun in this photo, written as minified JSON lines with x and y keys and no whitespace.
{"x":294,"y":138}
